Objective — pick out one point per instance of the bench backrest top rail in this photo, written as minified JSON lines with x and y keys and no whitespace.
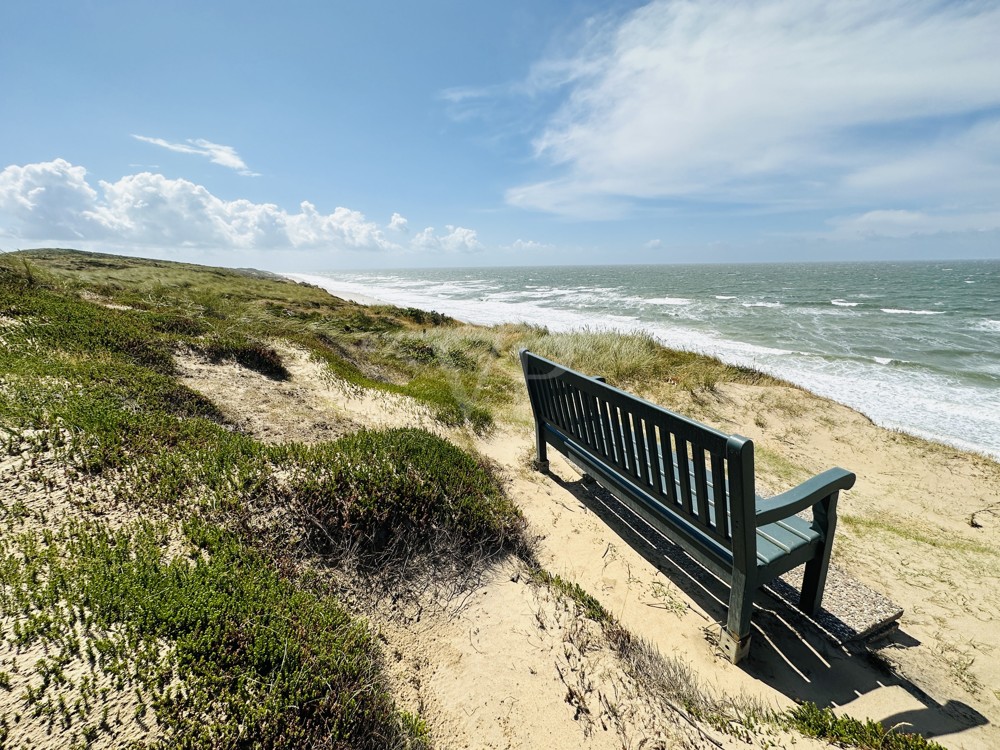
{"x":689,"y":468}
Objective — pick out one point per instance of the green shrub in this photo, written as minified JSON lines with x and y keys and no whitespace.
{"x":448,"y":397}
{"x":813,"y":721}
{"x":422,"y":317}
{"x":248,"y":352}
{"x":54,"y":322}
{"x":383,"y":488}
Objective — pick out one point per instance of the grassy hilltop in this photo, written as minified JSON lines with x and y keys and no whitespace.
{"x":164,"y":574}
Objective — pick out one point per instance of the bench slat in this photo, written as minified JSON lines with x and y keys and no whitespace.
{"x":669,"y":475}
{"x":721,"y":500}
{"x":641,"y":456}
{"x":684,"y":477}
{"x":693,"y":483}
{"x":621,"y":460}
{"x":779,"y":539}
{"x":655,"y":457}
{"x":600,"y":433}
{"x":701,"y":488}
{"x":586,"y":418}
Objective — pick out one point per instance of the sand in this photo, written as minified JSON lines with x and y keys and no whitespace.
{"x":920,"y":527}
{"x":509,"y":665}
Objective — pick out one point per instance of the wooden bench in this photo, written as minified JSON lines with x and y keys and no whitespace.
{"x":693,"y":484}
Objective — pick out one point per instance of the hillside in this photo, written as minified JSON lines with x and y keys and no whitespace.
{"x":241,"y":512}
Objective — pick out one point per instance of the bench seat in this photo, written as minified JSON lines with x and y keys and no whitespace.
{"x":690,"y":482}
{"x":783,"y":539}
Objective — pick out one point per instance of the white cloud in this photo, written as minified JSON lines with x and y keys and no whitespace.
{"x":523,"y":245}
{"x":456,"y":240}
{"x":964,"y":166}
{"x":216,"y":153}
{"x":398,"y":223}
{"x":778,"y":103}
{"x":653,"y":244}
{"x":54,"y":200}
{"x":903,"y":223}
{"x":51,"y":199}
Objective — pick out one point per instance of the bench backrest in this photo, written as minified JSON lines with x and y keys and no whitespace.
{"x":702,"y":476}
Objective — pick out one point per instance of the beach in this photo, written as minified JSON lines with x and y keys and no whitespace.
{"x":896,"y":536}
{"x":249,"y":409}
{"x":914,"y":346}
{"x":938,"y":669}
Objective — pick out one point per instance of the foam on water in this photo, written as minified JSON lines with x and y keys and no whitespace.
{"x":992,"y":326}
{"x":834,"y":347}
{"x":668,"y":301}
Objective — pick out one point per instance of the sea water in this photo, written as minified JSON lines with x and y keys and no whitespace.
{"x":915,"y":346}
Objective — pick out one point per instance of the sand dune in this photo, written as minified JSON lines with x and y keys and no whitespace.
{"x":920,"y":527}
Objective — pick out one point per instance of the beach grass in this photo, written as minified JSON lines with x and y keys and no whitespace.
{"x":217,"y":643}
{"x":199,"y":613}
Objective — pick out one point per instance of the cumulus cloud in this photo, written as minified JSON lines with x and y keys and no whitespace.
{"x":54,"y":200}
{"x":398,"y":223}
{"x":773,"y":103}
{"x":455,"y":240}
{"x":216,"y":153}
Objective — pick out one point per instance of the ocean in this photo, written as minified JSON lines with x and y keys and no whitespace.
{"x":915,"y":346}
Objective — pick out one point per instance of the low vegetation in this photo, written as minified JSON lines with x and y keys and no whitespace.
{"x":212,"y":643}
{"x":216,"y":643}
{"x":201,"y":617}
{"x":847,"y":731}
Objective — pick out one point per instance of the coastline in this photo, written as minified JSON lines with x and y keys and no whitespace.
{"x":937,"y":560}
{"x":883,"y":385}
{"x":334,"y":289}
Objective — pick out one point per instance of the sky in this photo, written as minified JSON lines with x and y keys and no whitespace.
{"x":311,"y":136}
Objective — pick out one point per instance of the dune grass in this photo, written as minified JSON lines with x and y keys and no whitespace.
{"x":220,"y":645}
{"x":87,"y":377}
{"x":636,"y":360}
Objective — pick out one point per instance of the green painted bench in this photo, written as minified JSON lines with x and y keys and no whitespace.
{"x":693,"y":484}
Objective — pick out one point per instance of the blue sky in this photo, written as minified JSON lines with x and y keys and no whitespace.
{"x":317,"y":135}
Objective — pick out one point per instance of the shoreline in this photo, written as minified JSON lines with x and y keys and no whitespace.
{"x":337,"y":291}
{"x":356,"y":293}
{"x":539,"y":641}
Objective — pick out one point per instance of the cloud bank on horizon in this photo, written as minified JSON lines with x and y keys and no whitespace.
{"x":834,"y":121}
{"x":55,"y":201}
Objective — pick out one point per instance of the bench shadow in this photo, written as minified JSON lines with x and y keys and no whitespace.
{"x":789,"y":652}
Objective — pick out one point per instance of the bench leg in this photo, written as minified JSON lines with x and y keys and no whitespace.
{"x":814,"y":579}
{"x":735,"y":637}
{"x":541,"y":462}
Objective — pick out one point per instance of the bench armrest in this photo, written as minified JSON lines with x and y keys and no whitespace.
{"x":805,"y":495}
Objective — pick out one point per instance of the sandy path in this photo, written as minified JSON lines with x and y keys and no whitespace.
{"x":493,"y":673}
